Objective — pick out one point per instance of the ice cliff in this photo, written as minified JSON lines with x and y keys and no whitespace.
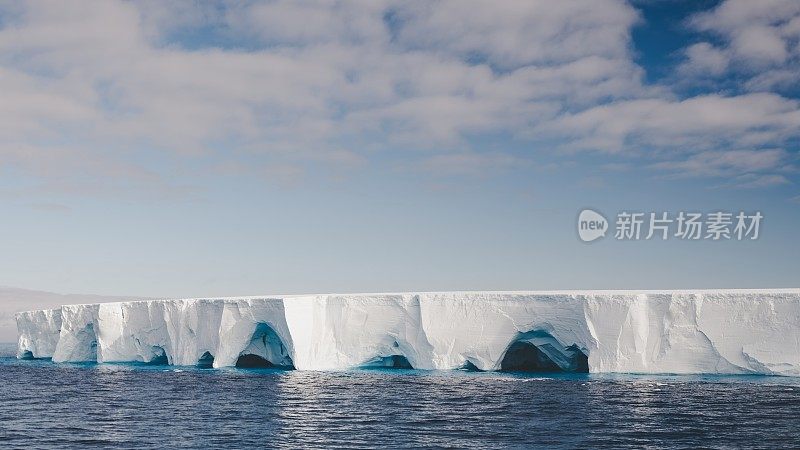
{"x":730,"y":331}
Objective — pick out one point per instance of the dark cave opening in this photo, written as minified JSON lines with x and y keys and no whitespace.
{"x":468,"y":366}
{"x":540,"y":352}
{"x":397,"y":362}
{"x":265,"y":350}
{"x":526,"y":357}
{"x":388,"y":362}
{"x":160,"y":358}
{"x":206,"y":361}
{"x":253,"y":362}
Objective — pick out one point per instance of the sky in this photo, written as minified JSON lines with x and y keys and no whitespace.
{"x":167,"y":149}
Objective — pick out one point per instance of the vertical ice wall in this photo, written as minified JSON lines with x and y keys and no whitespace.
{"x":39,"y":333}
{"x":339,"y":331}
{"x":78,"y":339}
{"x":637,"y":332}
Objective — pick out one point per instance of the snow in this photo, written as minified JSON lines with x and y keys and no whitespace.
{"x":703,"y":331}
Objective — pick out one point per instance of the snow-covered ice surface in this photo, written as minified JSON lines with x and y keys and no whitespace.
{"x":702,"y":331}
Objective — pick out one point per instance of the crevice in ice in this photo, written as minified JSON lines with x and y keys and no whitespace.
{"x":265,"y":350}
{"x":538,"y":351}
{"x":206,"y":361}
{"x":159,"y":358}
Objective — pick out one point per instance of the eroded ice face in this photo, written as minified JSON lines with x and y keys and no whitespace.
{"x":633,"y":332}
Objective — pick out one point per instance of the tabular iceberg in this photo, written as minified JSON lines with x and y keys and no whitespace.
{"x":704,"y":331}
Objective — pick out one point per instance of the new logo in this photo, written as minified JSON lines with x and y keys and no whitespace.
{"x":591,"y":225}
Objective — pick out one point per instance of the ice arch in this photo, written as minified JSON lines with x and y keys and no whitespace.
{"x":159,"y":357}
{"x":265,"y":350}
{"x":395,"y":359}
{"x":469,"y":366}
{"x":538,"y":351}
{"x":388,"y":362}
{"x":206,"y":361}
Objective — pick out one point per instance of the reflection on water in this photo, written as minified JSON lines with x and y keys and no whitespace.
{"x":139,"y":406}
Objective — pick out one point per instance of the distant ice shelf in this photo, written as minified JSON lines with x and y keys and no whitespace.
{"x":680,"y":332}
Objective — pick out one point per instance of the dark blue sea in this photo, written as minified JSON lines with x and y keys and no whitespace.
{"x":45,"y":405}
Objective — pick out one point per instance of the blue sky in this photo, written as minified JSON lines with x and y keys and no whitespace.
{"x":188,"y":149}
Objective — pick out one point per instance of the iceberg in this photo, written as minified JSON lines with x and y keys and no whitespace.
{"x":648,"y":332}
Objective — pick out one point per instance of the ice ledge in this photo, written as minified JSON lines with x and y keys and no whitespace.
{"x":680,"y":331}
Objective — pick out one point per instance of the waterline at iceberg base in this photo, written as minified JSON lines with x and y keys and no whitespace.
{"x":679,"y":332}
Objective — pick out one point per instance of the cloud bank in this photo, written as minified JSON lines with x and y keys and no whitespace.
{"x":125,"y":95}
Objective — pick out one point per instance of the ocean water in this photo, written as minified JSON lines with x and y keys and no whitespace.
{"x":45,"y":405}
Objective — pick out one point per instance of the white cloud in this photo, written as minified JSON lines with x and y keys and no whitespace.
{"x":517,"y":33}
{"x":109,"y":78}
{"x":743,"y":164}
{"x":310,"y":22}
{"x":703,"y":59}
{"x":760,"y":45}
{"x":687,"y":126}
{"x":125,"y":92}
{"x":731,"y":15}
{"x":759,"y":39}
{"x":755,"y":181}
{"x":739,"y":169}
